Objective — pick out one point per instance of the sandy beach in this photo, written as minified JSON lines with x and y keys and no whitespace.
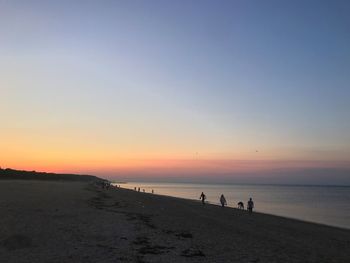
{"x":42,"y":221}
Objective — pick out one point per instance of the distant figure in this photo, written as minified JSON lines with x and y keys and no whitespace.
{"x":143,"y":190}
{"x":223,"y":200}
{"x":250,"y":205}
{"x":152,"y":191}
{"x":202,"y":197}
{"x":135,"y":188}
{"x":138,"y":189}
{"x":240,"y":205}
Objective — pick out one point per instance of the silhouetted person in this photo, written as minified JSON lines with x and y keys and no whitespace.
{"x":138,"y":189}
{"x":202,"y":197}
{"x":135,"y":188}
{"x":152,"y":191}
{"x":223,"y":200}
{"x":250,"y":205}
{"x":240,"y":205}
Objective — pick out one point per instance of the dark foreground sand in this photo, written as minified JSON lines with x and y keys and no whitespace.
{"x":77,"y":222}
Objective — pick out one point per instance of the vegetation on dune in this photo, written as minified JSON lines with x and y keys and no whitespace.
{"x":33,"y":175}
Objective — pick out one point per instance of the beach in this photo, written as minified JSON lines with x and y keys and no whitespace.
{"x":58,"y":221}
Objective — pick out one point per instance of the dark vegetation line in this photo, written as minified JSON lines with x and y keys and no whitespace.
{"x":33,"y":175}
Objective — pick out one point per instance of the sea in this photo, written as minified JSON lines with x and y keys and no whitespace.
{"x":329,"y":205}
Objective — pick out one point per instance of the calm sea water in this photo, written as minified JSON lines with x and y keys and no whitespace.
{"x":321,"y":204}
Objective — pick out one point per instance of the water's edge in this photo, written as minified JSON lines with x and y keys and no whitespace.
{"x":325,"y":205}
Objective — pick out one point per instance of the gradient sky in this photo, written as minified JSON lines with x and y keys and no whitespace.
{"x":248,"y":91}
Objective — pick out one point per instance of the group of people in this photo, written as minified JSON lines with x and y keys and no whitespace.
{"x":250,"y":203}
{"x":143,"y":190}
{"x":104,"y":184}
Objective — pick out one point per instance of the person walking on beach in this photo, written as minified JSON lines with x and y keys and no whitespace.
{"x":250,"y":205}
{"x":202,"y":197}
{"x":223,"y":200}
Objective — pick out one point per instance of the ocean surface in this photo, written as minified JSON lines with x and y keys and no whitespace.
{"x":328,"y":205}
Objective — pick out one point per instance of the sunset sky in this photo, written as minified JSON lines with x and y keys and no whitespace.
{"x":241,"y":91}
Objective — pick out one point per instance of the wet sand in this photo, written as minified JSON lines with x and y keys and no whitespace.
{"x":43,"y":221}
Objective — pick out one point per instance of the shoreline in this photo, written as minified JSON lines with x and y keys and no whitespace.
{"x":301,"y":212}
{"x":245,"y":210}
{"x":45,"y":221}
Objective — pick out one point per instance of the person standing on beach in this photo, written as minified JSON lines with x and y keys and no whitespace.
{"x":250,"y":205}
{"x":202,"y":197}
{"x":223,"y":200}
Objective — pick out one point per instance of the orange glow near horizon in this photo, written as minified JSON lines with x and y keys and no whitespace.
{"x":74,"y":153}
{"x":165,"y":167}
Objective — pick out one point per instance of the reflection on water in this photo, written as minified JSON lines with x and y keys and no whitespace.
{"x":322,"y":204}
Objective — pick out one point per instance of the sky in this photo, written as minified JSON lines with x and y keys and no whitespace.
{"x":241,"y":91}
